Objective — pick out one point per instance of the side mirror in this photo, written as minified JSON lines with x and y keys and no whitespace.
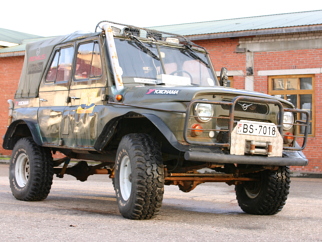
{"x":223,"y":77}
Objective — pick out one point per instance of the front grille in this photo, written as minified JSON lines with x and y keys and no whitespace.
{"x":248,"y":107}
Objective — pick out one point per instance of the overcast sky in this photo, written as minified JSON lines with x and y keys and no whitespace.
{"x":59,"y":17}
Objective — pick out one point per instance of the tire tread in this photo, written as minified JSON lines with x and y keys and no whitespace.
{"x":150,"y":177}
{"x":41,"y":162}
{"x":271,"y":198}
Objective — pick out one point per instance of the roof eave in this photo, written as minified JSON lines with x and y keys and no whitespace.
{"x":12,"y":54}
{"x":245,"y":33}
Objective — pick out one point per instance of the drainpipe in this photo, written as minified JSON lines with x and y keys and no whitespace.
{"x":249,"y":79}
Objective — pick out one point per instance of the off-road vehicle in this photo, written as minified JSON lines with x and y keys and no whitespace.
{"x":146,"y":108}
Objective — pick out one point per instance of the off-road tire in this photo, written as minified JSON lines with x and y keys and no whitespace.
{"x":139,"y":177}
{"x":30,"y":171}
{"x":268,"y":195}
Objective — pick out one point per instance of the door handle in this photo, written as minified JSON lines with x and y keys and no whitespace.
{"x":75,"y":98}
{"x":43,"y":100}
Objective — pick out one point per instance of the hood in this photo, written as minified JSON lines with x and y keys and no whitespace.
{"x":144,"y":95}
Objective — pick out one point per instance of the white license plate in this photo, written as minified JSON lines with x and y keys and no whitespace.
{"x":256,"y":128}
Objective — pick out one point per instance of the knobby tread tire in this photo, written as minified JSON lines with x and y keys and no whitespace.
{"x":147,"y":177}
{"x":40,"y":179}
{"x":273,"y":191}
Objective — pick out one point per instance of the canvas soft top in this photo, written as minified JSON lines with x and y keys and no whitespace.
{"x":36,"y":58}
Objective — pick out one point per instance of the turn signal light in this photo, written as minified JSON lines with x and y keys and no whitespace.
{"x":119,"y":97}
{"x":196,"y":130}
{"x":288,"y":137}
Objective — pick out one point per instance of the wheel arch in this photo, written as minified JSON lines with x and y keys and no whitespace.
{"x":19,"y":129}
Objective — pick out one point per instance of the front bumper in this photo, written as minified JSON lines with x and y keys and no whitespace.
{"x":293,"y":158}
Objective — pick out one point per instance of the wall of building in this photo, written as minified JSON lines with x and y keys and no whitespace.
{"x":274,"y":55}
{"x":296,"y":62}
{"x":10,"y":70}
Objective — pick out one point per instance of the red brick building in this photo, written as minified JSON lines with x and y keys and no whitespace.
{"x":276,"y":54}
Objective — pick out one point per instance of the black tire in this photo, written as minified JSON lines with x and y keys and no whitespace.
{"x":268,"y":195}
{"x":31,"y":171}
{"x":139,"y":177}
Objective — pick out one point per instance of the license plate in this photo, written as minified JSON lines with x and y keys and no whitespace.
{"x":256,"y":128}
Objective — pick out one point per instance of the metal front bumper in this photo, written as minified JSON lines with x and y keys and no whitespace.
{"x":289,"y":159}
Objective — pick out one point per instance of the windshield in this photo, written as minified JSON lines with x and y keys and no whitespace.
{"x":162,"y":65}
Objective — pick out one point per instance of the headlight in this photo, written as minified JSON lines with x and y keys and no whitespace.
{"x":288,"y":120}
{"x":203,"y":112}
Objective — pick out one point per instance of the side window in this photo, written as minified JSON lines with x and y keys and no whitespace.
{"x":61,"y":66}
{"x":52,"y":73}
{"x":88,"y":61}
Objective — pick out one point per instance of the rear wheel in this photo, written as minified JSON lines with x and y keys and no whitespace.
{"x":139,"y":177}
{"x":268,"y":195}
{"x":31,"y":171}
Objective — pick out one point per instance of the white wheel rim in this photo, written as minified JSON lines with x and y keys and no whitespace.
{"x":125,"y":178}
{"x":251,"y":194}
{"x":253,"y":191}
{"x":22,"y":170}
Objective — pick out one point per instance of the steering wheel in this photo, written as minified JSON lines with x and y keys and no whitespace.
{"x":182,"y":71}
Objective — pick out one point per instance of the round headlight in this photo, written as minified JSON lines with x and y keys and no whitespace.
{"x":204,"y":112}
{"x":288,"y":120}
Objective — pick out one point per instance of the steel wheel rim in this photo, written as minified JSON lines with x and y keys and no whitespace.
{"x":253,"y":189}
{"x":22,"y":170}
{"x":125,"y":178}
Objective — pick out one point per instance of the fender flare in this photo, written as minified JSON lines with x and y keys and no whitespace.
{"x":108,"y":132}
{"x":167,"y":133}
{"x":10,"y":138}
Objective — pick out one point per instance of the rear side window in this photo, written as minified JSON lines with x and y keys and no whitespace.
{"x":88,"y":61}
{"x":61,"y":66}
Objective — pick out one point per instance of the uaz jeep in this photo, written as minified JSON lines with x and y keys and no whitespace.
{"x":146,"y":108}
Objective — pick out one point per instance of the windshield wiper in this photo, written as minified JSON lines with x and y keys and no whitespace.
{"x":195,"y":56}
{"x":143,"y":47}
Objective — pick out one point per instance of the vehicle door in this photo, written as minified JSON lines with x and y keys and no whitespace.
{"x":80,"y":124}
{"x":53,"y":94}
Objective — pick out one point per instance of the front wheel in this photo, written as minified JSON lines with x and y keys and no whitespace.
{"x":139,"y":177}
{"x":31,"y":171}
{"x":268,"y":195}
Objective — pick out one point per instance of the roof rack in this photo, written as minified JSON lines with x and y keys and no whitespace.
{"x":150,"y":33}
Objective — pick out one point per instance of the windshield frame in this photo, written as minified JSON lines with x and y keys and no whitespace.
{"x":194,"y":53}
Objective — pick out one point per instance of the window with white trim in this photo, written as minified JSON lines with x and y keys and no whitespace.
{"x":298,"y":90}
